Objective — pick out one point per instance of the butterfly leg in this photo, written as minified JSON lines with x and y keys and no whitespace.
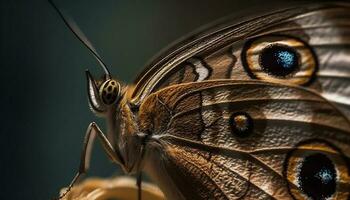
{"x":138,"y":184}
{"x":92,"y":131}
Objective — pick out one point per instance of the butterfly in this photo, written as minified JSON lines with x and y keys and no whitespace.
{"x":257,"y":109}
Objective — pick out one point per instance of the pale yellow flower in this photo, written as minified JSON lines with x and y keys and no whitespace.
{"x":120,"y":188}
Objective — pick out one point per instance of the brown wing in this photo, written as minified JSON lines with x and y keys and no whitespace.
{"x":195,"y":151}
{"x":216,"y":52}
{"x":185,"y":61}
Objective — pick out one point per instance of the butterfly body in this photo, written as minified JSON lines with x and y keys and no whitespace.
{"x":251,"y":110}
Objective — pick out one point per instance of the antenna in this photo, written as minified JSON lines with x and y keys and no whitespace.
{"x":81,"y":36}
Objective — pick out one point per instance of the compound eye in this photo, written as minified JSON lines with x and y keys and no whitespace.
{"x":317,"y":171}
{"x":110,"y":92}
{"x":279,"y":59}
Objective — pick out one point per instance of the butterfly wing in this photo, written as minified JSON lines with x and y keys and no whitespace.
{"x":195,"y":151}
{"x":195,"y":100}
{"x":216,"y":53}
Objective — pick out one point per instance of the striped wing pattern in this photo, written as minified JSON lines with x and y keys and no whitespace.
{"x":187,"y":97}
{"x":206,"y":160}
{"x":217,"y":54}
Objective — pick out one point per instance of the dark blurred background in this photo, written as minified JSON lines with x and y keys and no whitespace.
{"x":44,"y":110}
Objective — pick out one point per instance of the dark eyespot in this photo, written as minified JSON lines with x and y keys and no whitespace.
{"x":317,"y":177}
{"x":317,"y":170}
{"x":279,"y":60}
{"x":241,"y":124}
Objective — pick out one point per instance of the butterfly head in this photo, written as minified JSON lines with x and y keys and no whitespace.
{"x":106,"y":100}
{"x":103,"y":95}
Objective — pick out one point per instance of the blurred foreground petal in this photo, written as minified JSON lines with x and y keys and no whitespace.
{"x":121,"y":188}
